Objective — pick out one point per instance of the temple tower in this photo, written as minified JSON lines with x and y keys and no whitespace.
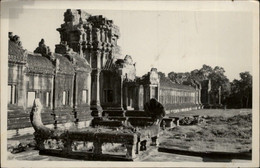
{"x":95,"y":39}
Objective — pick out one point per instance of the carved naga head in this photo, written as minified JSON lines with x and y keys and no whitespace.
{"x":35,"y":115}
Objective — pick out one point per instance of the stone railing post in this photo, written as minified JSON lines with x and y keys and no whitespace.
{"x":97,"y":147}
{"x":154,"y":141}
{"x":130,"y":154}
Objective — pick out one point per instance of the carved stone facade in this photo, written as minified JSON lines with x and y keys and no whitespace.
{"x":85,"y":75}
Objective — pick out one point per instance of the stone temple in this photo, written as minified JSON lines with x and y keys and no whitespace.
{"x":86,"y":76}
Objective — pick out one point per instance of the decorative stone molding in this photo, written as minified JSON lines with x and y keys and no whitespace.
{"x":16,"y":53}
{"x":66,"y":138}
{"x":44,"y":50}
{"x":15,"y":39}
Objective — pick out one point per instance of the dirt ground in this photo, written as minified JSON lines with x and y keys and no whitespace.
{"x":222,"y":130}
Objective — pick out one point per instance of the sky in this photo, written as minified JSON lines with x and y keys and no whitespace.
{"x":178,"y":41}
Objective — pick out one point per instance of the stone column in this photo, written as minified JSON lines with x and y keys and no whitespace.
{"x":97,"y":147}
{"x":196,"y":96}
{"x":130,"y":154}
{"x":125,"y":104}
{"x":155,"y":141}
{"x":95,"y":84}
{"x":130,"y":95}
{"x":121,"y":92}
{"x":150,"y":88}
{"x":52,"y":92}
{"x":95,"y":93}
{"x":199,"y":95}
{"x":136,"y":97}
{"x":208,"y":96}
{"x":75,"y":89}
{"x":158,"y":92}
{"x":71,"y":93}
{"x":89,"y":87}
{"x":23,"y":89}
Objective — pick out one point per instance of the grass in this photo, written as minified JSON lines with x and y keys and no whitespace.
{"x":213,"y":112}
{"x":223,"y":131}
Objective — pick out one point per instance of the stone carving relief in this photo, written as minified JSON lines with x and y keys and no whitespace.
{"x":15,"y":39}
{"x":44,"y":50}
{"x":21,"y":54}
{"x":129,"y":70}
{"x":154,"y":77}
{"x":71,"y":16}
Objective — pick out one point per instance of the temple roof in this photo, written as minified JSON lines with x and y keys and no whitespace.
{"x":16,"y":53}
{"x":64,"y":65}
{"x":166,"y":82}
{"x":82,"y":64}
{"x":78,"y":62}
{"x":36,"y":63}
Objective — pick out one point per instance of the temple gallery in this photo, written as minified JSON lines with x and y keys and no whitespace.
{"x":87,"y":76}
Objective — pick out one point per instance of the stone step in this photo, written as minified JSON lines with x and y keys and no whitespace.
{"x":17,"y":115}
{"x":19,"y":125}
{"x":113,"y":113}
{"x":107,"y":123}
{"x":134,"y":113}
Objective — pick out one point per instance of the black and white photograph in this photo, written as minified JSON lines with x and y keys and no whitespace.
{"x":150,"y":83}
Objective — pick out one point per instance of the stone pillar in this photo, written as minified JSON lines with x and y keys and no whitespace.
{"x":89,"y":87}
{"x":97,"y":147}
{"x":75,"y":89}
{"x":136,"y":97}
{"x":154,"y":141}
{"x":130,"y":98}
{"x":150,"y":89}
{"x":199,"y":95}
{"x":95,"y":93}
{"x":130,"y":154}
{"x":67,"y":146}
{"x":102,"y":35}
{"x":52,"y":92}
{"x":125,"y":104}
{"x":71,"y":91}
{"x":208,"y":96}
{"x":121,"y":91}
{"x":95,"y":84}
{"x":23,"y":91}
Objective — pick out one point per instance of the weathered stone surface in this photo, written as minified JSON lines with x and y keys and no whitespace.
{"x":86,"y":75}
{"x":55,"y":139}
{"x":155,"y":109}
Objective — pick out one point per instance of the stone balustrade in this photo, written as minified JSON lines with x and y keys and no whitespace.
{"x":59,"y":142}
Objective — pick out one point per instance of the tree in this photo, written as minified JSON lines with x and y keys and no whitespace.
{"x":241,"y":91}
{"x":179,"y":78}
{"x":172,"y":76}
{"x":161,"y":74}
{"x":219,"y":81}
{"x":217,"y":76}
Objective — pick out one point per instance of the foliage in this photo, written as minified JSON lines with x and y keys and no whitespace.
{"x":241,"y":92}
{"x":235,"y":94}
{"x":218,"y":80}
{"x":179,"y":77}
{"x":161,"y":74}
